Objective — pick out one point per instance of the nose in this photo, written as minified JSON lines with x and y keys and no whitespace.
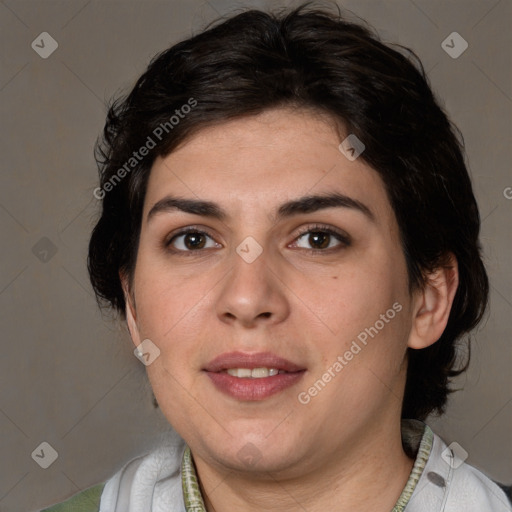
{"x":252,"y":293}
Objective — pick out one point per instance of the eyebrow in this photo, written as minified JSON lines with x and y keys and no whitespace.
{"x":305,"y":204}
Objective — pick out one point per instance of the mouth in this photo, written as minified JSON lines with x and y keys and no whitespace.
{"x":254,"y":373}
{"x":251,"y":377}
{"x":260,"y":361}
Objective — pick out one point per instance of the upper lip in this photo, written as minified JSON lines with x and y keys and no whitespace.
{"x":251,"y":361}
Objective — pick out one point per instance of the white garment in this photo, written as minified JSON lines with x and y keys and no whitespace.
{"x":149,"y":483}
{"x":450,"y":487}
{"x":152,"y":483}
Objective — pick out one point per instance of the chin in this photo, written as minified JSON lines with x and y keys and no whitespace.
{"x":254,"y":453}
{"x":251,"y":460}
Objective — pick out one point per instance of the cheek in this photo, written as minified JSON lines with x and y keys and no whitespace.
{"x":365,"y":309}
{"x":168,"y":301}
{"x":352,"y":298}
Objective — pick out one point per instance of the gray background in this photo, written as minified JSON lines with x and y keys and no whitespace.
{"x":68,"y":375}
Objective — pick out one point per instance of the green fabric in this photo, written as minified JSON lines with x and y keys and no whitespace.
{"x":85,"y":501}
{"x":427,"y":440}
{"x":190,"y":485}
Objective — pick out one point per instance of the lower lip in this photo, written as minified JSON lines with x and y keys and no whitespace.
{"x":253,"y":389}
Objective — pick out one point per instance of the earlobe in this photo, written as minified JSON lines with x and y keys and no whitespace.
{"x":433,"y":305}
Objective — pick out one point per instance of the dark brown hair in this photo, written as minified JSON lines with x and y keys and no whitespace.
{"x":307,"y":58}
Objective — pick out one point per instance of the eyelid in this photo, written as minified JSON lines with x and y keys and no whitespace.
{"x":187,"y":229}
{"x":342,"y":237}
{"x":167,"y":241}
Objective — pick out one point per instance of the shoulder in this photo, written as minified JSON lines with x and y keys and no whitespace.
{"x":449,"y":484}
{"x":472,"y":490}
{"x":151,"y":481}
{"x":85,"y":501}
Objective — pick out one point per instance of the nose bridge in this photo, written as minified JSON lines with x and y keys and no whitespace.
{"x":252,"y":290}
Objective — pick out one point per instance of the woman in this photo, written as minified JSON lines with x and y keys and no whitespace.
{"x":290,"y":232}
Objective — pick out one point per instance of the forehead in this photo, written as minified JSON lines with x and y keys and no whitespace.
{"x":254,"y":164}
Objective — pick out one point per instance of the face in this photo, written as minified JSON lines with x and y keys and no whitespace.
{"x":309,"y":299}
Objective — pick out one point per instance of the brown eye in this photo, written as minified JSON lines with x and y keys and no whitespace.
{"x":194,"y":241}
{"x":191,"y":240}
{"x":321,"y":239}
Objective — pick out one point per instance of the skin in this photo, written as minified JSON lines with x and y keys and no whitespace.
{"x":308,"y":308}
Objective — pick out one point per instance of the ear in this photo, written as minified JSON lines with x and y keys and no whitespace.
{"x":130,"y":311}
{"x":432,"y":305}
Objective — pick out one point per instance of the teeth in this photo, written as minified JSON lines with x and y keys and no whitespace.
{"x":256,"y":373}
{"x":240,"y":372}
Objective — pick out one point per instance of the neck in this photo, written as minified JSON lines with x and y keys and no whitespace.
{"x":369,"y":476}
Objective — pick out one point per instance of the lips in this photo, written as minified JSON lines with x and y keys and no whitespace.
{"x":251,"y":361}
{"x":250,"y":388}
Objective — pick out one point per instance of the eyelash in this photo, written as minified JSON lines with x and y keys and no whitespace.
{"x":317,"y":228}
